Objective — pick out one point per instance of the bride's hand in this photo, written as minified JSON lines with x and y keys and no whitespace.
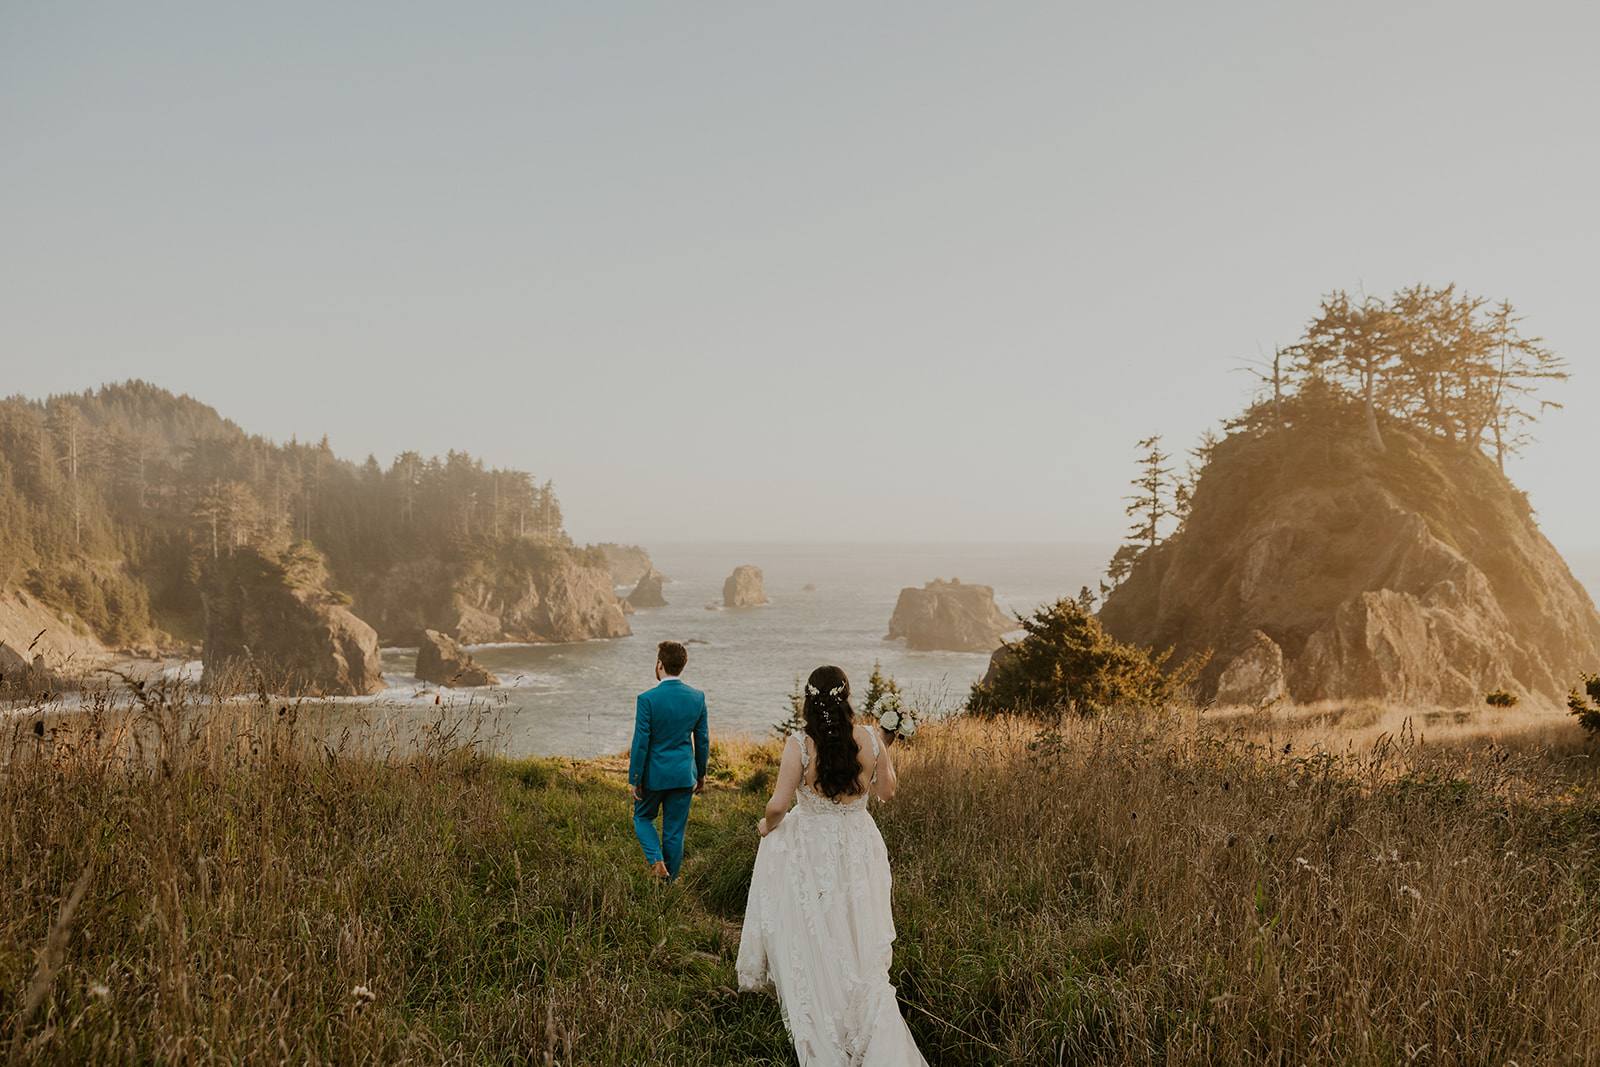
{"x":888,"y":735}
{"x":762,"y":828}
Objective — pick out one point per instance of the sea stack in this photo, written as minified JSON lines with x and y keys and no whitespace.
{"x":442,"y":661}
{"x":743,"y":588}
{"x":951,"y":616}
{"x":647,"y":594}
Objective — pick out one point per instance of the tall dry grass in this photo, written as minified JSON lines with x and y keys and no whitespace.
{"x":193,"y":880}
{"x":190,"y":879}
{"x":1144,"y":890}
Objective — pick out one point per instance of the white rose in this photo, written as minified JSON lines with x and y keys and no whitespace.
{"x":889,"y":720}
{"x":908,"y":727}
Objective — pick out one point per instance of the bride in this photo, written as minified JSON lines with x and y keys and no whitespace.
{"x":817,"y":928}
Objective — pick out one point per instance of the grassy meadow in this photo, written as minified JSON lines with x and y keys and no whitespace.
{"x":191,"y":882}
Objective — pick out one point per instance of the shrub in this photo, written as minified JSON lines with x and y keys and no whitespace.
{"x":1500,"y":699}
{"x":1587,"y":710}
{"x":1068,"y":662}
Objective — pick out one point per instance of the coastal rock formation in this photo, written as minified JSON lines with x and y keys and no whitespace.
{"x":41,"y":641}
{"x":577,"y":603}
{"x":998,"y":659}
{"x":1416,"y":575}
{"x":647,"y":594}
{"x":273,"y":613}
{"x":20,"y":676}
{"x":949,"y":615}
{"x":743,"y":588}
{"x":1255,"y":675}
{"x":443,"y":662}
{"x":567,"y":596}
{"x":629,"y":565}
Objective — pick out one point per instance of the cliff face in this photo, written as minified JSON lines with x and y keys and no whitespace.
{"x":949,"y":615}
{"x":33,"y":636}
{"x":1336,"y":572}
{"x":560,"y":596}
{"x":628,"y":564}
{"x":275,"y":612}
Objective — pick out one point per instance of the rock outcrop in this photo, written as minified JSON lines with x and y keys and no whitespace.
{"x":273,"y":613}
{"x":1255,"y":675}
{"x":36,"y":640}
{"x":629,"y":564}
{"x":577,"y":603}
{"x":442,"y":661}
{"x":21,"y":677}
{"x":743,"y":588}
{"x":951,"y":615}
{"x":566,"y":596}
{"x":647,"y":594}
{"x":1415,"y":575}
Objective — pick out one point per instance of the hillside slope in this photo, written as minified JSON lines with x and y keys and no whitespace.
{"x":1314,"y":565}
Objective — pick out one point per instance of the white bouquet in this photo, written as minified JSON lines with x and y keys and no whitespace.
{"x":895,"y":719}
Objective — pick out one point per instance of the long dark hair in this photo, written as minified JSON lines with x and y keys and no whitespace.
{"x":830,"y":723}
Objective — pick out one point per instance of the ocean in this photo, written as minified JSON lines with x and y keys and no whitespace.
{"x":577,"y":700}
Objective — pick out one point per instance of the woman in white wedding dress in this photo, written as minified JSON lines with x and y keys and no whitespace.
{"x":818,"y":930}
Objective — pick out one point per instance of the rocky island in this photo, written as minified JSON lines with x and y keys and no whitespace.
{"x":647,"y":594}
{"x":442,"y":661}
{"x":1317,"y":567}
{"x":742,"y":589}
{"x":951,"y":616}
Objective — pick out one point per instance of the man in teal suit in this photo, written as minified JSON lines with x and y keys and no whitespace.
{"x":671,"y":746}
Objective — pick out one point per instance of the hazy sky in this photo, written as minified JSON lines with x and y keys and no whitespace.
{"x":808,"y":271}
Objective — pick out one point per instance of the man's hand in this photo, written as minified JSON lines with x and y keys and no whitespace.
{"x":700,"y":785}
{"x":637,"y":796}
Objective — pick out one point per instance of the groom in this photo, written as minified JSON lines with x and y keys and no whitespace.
{"x":671,"y":745}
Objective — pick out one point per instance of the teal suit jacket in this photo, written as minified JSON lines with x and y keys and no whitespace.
{"x":671,"y":739}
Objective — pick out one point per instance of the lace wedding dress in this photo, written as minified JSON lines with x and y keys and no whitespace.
{"x":818,"y":931}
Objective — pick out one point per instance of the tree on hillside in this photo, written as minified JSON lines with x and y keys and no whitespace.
{"x":1183,"y":488}
{"x":1517,"y":364}
{"x":1438,"y":358}
{"x":1151,"y":502}
{"x":1353,"y":341}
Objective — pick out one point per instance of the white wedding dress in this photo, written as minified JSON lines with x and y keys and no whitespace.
{"x":818,"y":931}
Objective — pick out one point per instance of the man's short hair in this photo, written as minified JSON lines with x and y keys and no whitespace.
{"x":672,"y":656}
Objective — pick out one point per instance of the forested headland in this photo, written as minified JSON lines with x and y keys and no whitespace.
{"x":114,"y":502}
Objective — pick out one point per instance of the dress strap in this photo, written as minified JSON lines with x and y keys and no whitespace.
{"x":874,"y":735}
{"x":805,"y":754}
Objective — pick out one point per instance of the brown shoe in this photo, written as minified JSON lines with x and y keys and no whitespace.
{"x":659,"y":870}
